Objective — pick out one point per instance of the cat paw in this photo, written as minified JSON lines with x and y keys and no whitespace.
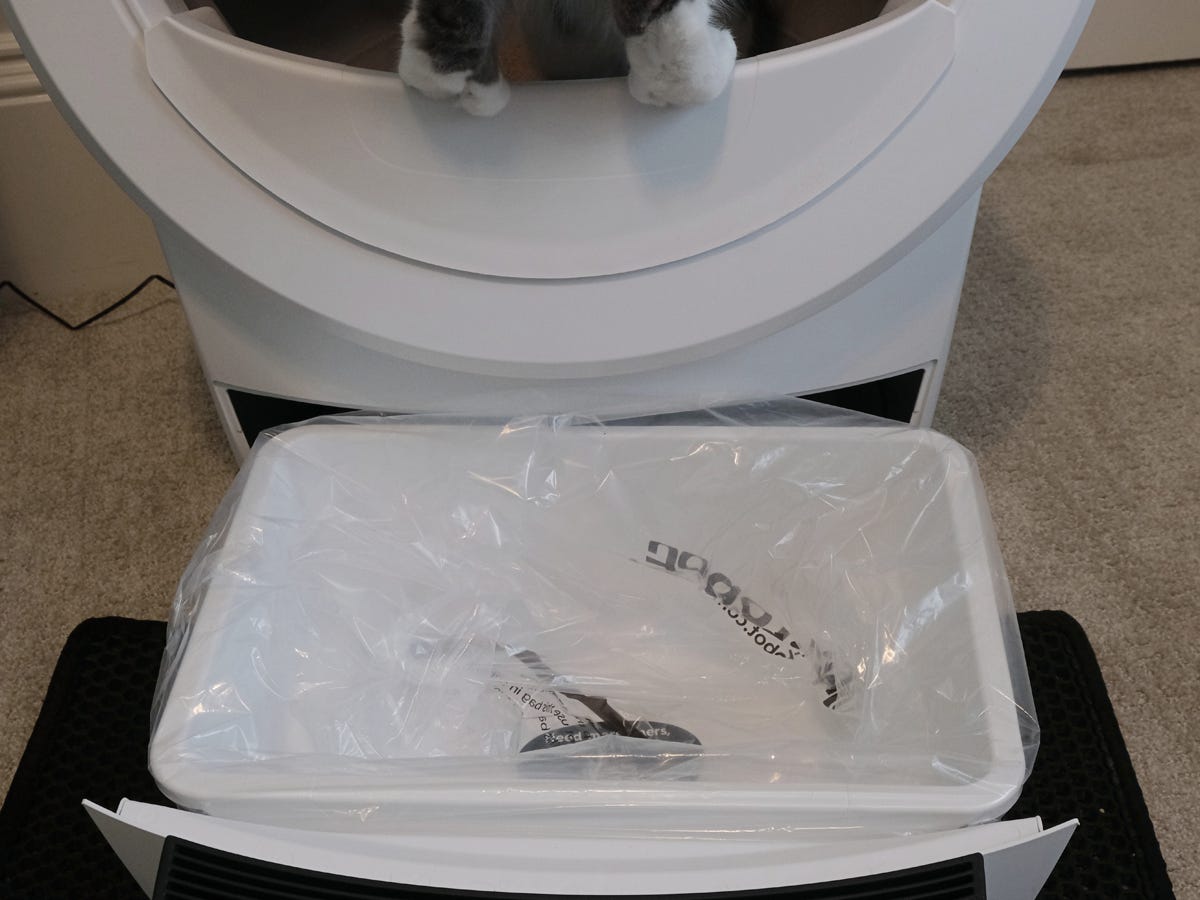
{"x":481,"y":99}
{"x":681,"y":58}
{"x":417,"y":70}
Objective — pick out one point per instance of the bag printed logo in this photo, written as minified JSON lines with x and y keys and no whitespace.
{"x":747,"y":614}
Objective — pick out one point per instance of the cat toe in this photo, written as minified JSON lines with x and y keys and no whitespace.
{"x":645,"y":91}
{"x":480,"y":99}
{"x":435,"y":85}
{"x":417,"y":71}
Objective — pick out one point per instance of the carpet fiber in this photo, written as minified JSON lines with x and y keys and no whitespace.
{"x":1075,"y":378}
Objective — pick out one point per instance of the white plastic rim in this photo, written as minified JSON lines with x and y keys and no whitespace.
{"x":1018,"y":856}
{"x":574,"y":179}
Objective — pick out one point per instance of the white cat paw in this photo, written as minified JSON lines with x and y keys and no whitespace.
{"x":418,"y":72}
{"x":480,"y":99}
{"x":681,"y":58}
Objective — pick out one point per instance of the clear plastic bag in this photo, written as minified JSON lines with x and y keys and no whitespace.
{"x":740,"y":621}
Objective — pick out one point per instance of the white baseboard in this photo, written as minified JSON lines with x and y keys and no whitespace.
{"x":17,"y":81}
{"x":65,"y":228}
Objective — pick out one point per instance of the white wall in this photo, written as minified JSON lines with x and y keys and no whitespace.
{"x":1123,"y":32}
{"x":65,"y":228}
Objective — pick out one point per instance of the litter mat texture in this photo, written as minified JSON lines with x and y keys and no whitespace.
{"x":90,"y":741}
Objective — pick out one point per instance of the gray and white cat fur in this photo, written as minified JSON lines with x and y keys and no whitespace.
{"x":676,"y":52}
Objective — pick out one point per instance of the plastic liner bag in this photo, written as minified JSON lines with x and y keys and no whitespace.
{"x":745,"y":621}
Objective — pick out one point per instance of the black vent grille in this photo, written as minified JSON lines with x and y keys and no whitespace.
{"x":894,"y":397}
{"x":257,"y":413}
{"x":189,"y":871}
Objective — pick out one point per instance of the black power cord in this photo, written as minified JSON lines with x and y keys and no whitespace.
{"x":90,"y":319}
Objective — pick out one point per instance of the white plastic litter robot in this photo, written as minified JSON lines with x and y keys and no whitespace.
{"x":339,"y":241}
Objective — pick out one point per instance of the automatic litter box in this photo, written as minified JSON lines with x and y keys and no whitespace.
{"x":441,"y":651}
{"x":339,"y":242}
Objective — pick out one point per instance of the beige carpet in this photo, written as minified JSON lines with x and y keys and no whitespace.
{"x":1075,"y":378}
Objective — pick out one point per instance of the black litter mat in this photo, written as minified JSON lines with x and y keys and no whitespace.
{"x":91,"y":737}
